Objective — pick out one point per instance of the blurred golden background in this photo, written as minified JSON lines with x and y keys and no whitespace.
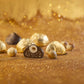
{"x":17,"y":9}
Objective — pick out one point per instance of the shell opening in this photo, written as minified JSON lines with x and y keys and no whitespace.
{"x":33,"y":49}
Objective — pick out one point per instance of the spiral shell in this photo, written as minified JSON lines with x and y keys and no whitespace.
{"x":68,"y":46}
{"x":56,"y":46}
{"x":33,"y":51}
{"x":40,"y":39}
{"x":22,"y":44}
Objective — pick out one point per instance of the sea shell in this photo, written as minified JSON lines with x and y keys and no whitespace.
{"x":22,"y":44}
{"x":56,"y":46}
{"x":33,"y":51}
{"x":68,"y":46}
{"x":40,"y":39}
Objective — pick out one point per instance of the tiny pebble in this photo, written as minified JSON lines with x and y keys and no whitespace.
{"x":11,"y":52}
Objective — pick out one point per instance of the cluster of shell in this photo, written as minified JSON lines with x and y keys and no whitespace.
{"x":33,"y":47}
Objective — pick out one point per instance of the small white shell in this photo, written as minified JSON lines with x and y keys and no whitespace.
{"x":52,"y":54}
{"x":56,"y":46}
{"x":22,"y":44}
{"x":11,"y":52}
{"x":68,"y":46}
{"x":40,"y":39}
{"x":2,"y":47}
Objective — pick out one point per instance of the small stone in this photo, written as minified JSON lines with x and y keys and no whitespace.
{"x":52,"y":54}
{"x":33,"y":51}
{"x":11,"y":52}
{"x":13,"y":39}
{"x":40,"y":39}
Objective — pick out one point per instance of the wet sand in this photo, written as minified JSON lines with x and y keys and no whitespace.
{"x":66,"y":69}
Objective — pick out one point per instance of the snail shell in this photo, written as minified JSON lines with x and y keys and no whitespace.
{"x":11,"y":52}
{"x":56,"y":46}
{"x":2,"y":47}
{"x":22,"y":44}
{"x":33,"y":51}
{"x":40,"y":39}
{"x":68,"y":46}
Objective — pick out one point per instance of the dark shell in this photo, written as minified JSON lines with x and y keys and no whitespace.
{"x":29,"y":54}
{"x":13,"y":39}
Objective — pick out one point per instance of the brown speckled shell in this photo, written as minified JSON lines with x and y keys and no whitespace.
{"x":29,"y":54}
